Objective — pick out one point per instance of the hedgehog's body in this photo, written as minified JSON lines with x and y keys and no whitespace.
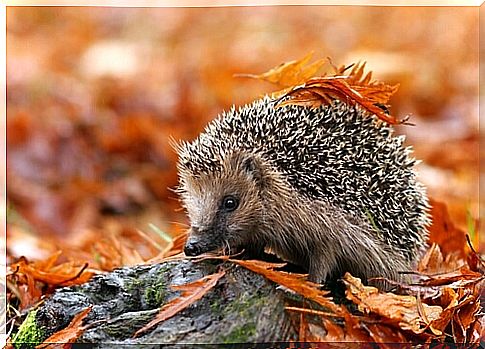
{"x":329,"y":189}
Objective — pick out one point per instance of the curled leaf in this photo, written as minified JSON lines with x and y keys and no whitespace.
{"x":402,"y":310}
{"x":302,"y":87}
{"x":323,"y":90}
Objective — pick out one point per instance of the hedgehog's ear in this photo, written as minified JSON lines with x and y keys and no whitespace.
{"x":252,"y":167}
{"x":249,"y":165}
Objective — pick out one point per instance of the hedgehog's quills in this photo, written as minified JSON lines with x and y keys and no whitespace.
{"x":329,"y":189}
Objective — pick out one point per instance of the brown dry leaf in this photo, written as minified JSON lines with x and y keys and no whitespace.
{"x":335,"y":333}
{"x":444,"y":232}
{"x":463,"y":318}
{"x":63,"y":274}
{"x":463,"y":277}
{"x":323,"y":90}
{"x":290,"y":73}
{"x":476,"y":332}
{"x":382,"y":333}
{"x":356,"y":76}
{"x":375,"y":91}
{"x":402,"y":310}
{"x":434,"y":270}
{"x":313,"y":333}
{"x":68,"y":335}
{"x":292,"y":281}
{"x":191,"y":293}
{"x":432,"y":261}
{"x":438,"y":325}
{"x":354,"y":329}
{"x":25,"y":288}
{"x":28,"y":279}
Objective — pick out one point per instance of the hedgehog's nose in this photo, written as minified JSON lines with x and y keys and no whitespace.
{"x":191,"y":248}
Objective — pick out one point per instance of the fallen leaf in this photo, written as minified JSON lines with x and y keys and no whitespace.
{"x":464,"y":317}
{"x":463,"y":277}
{"x":323,"y":90}
{"x":58,"y":275}
{"x":444,"y":232}
{"x":295,"y":282}
{"x":290,"y":73}
{"x":432,"y":261}
{"x":191,"y":293}
{"x":439,"y":324}
{"x":399,"y":309}
{"x":383,"y":334}
{"x":303,"y":88}
{"x":335,"y":333}
{"x":28,"y":279}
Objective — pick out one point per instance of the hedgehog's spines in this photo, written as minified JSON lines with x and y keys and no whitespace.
{"x":338,"y":154}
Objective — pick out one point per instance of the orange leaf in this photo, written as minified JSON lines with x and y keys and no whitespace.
{"x":355,"y":87}
{"x":444,"y":232}
{"x":290,"y":73}
{"x":401,"y":310}
{"x":432,"y":261}
{"x":335,"y":333}
{"x":464,"y":318}
{"x":29,"y":278}
{"x":383,"y":334}
{"x":191,"y":293}
{"x":438,"y":325}
{"x":68,"y":335}
{"x":292,"y":281}
{"x":59,"y":275}
{"x":322,"y":90}
{"x":463,"y":277}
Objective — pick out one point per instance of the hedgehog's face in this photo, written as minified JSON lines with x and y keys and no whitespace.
{"x":224,"y":207}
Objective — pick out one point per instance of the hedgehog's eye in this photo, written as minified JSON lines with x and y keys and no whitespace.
{"x":229,"y":203}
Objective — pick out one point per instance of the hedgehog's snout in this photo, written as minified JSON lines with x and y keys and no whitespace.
{"x":193,"y":244}
{"x":192,"y":248}
{"x":198,"y":242}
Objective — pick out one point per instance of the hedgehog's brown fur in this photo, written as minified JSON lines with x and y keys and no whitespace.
{"x":301,"y":221}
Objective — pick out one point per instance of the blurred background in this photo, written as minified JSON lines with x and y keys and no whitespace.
{"x":94,"y":96}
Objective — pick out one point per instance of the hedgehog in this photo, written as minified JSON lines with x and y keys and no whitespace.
{"x":330,"y":189}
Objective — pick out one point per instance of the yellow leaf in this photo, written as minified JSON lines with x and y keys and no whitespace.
{"x":290,"y":73}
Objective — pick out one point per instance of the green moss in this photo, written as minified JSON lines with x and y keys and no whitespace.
{"x":247,"y":307}
{"x":154,"y":287}
{"x":133,"y":284}
{"x":29,"y":334}
{"x":155,"y":294}
{"x":216,"y":305}
{"x":241,"y":334}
